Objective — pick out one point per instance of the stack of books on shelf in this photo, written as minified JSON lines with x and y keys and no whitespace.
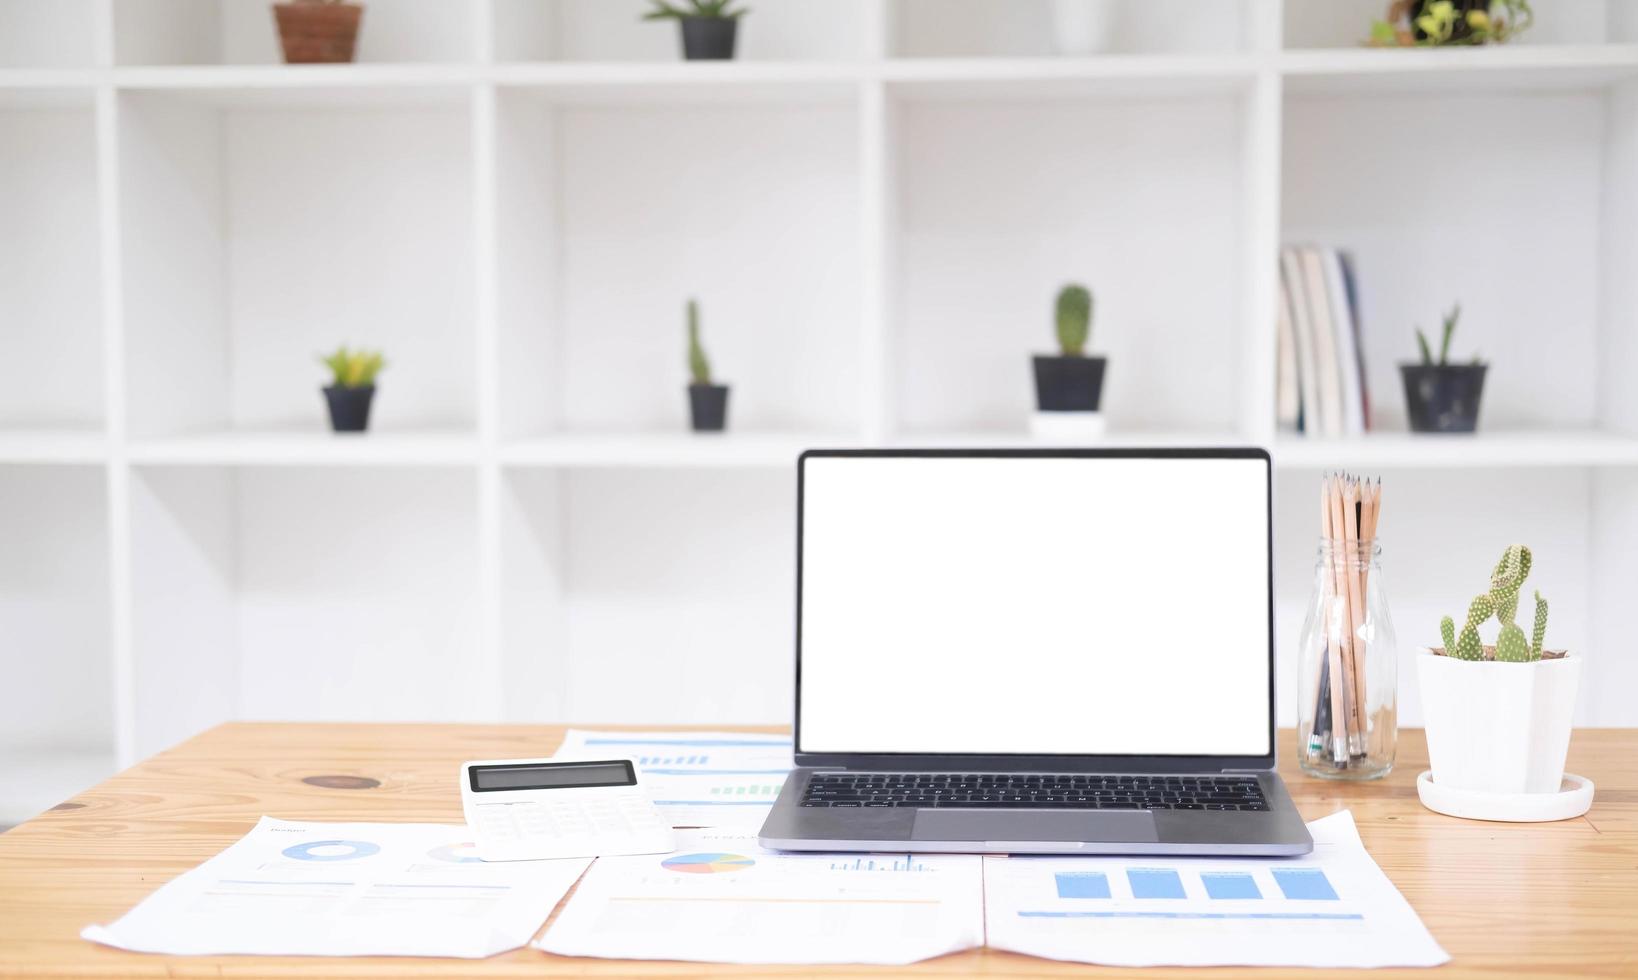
{"x":1320,"y":371}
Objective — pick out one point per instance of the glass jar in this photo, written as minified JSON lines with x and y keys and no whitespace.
{"x":1348,"y":730}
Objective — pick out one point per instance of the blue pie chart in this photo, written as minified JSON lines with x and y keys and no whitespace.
{"x":331,"y":850}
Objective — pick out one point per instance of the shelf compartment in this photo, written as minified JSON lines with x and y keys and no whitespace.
{"x":1441,"y":533}
{"x":1517,"y":241}
{"x":209,"y":32}
{"x":51,"y":355}
{"x":751,"y":209}
{"x":981,"y":250}
{"x":597,"y":30}
{"x":306,"y":596}
{"x":48,"y":33}
{"x":56,"y":707}
{"x":665,"y":596}
{"x":257,"y":238}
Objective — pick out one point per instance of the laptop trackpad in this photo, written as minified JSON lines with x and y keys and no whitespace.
{"x":1113,"y":826}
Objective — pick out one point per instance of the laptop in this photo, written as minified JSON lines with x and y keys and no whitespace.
{"x":1035,"y":651}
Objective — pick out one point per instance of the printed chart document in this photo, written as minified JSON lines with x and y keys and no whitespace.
{"x":346,"y":889}
{"x":697,"y":779}
{"x":1332,"y":908}
{"x":723,"y":899}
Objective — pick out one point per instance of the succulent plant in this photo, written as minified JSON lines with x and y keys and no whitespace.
{"x":699,"y":367}
{"x":661,"y":10}
{"x":1074,"y":319}
{"x":353,"y":368}
{"x":1502,"y":601}
{"x":1447,"y":331}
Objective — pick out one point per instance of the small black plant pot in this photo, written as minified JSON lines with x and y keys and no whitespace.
{"x":349,"y":407}
{"x":1443,"y":398}
{"x":708,"y":38}
{"x":708,"y":407}
{"x":1068,"y":384}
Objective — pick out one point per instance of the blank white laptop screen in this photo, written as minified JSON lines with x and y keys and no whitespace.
{"x":1031,"y":605}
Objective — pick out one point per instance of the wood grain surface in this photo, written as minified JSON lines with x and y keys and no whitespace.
{"x":1555,"y":900}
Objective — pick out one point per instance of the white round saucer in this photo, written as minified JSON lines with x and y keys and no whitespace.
{"x":1573,"y":798}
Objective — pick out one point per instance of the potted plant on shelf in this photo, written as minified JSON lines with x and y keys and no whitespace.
{"x":1069,"y":384}
{"x":707,"y":402}
{"x":708,"y":27}
{"x":1498,"y":716}
{"x":1440,"y":23}
{"x":317,"y":31}
{"x":352,"y":387}
{"x":1441,"y":396}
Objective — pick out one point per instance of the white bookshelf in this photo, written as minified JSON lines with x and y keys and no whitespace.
{"x":514,"y":197}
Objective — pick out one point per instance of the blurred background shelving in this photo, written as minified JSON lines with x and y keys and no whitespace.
{"x":514,"y":198}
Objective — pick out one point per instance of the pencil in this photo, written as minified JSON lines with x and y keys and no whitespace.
{"x":1330,"y":515}
{"x":1356,"y":608}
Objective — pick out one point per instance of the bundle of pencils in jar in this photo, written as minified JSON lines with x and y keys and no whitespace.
{"x":1348,"y":665}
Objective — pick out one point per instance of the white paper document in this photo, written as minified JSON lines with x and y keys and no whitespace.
{"x":697,"y":779}
{"x":722,"y":899}
{"x":1331,"y":908}
{"x":346,"y":889}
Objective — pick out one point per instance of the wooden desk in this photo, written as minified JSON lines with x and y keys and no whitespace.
{"x":1515,"y":900}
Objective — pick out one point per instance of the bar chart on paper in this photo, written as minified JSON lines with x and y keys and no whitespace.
{"x":1332,"y":908}
{"x":1152,"y":893}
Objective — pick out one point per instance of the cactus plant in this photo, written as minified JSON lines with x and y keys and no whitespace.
{"x":1540,"y":631}
{"x":1502,"y":601}
{"x":1074,"y":319}
{"x":699,"y":367}
{"x":1468,"y":647}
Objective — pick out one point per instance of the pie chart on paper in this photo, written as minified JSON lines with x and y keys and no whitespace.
{"x":707,"y":864}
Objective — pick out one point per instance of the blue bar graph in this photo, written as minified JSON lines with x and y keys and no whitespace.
{"x":870,"y":864}
{"x":1155,"y":883}
{"x":1082,"y":884}
{"x":1221,"y":884}
{"x":1305,"y":884}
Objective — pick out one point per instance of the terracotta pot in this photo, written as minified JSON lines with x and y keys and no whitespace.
{"x":318,"y":33}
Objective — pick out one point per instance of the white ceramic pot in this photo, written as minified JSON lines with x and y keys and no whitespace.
{"x":1082,"y":26}
{"x":1498,"y":727}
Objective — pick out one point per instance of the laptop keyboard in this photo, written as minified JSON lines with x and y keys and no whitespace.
{"x":1080,"y":791}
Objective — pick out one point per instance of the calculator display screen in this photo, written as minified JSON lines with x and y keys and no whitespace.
{"x":556,"y":775}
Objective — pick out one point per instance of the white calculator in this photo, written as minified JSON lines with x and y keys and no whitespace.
{"x":528,"y":809}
